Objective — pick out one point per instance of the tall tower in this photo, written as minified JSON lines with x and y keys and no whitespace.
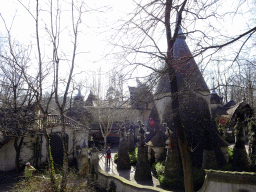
{"x":189,"y":78}
{"x":194,"y":101}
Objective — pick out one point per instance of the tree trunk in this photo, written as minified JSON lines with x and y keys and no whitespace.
{"x":17,"y":147}
{"x":37,"y":151}
{"x":170,"y":62}
{"x":105,"y":142}
{"x":49,"y":155}
{"x":183,"y":145}
{"x":65,"y":155}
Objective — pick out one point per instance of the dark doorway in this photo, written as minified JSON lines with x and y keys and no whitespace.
{"x":57,"y":148}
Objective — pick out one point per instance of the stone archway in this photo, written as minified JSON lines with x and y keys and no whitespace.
{"x":57,"y":148}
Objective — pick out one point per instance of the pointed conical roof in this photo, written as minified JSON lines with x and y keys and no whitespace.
{"x":89,"y":101}
{"x":187,"y":72}
{"x":159,"y":139}
{"x":78,"y":97}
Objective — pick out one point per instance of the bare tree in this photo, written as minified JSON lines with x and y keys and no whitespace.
{"x":60,"y":85}
{"x":54,"y":34}
{"x":140,"y":39}
{"x":18,"y":101}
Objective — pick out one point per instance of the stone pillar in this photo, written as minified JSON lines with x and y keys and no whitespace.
{"x":123,"y":161}
{"x":95,"y":157}
{"x":172,"y":162}
{"x":173,"y":166}
{"x":240,"y":158}
{"x":83,"y":165}
{"x":252,"y":143}
{"x":143,"y":170}
{"x":131,"y":143}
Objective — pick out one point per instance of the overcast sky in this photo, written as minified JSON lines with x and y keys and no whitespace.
{"x":97,"y":24}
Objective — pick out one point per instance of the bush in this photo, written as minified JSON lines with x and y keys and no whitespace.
{"x":174,"y":183}
{"x":230,"y":154}
{"x":134,"y":156}
{"x":177,"y":182}
{"x":159,"y":167}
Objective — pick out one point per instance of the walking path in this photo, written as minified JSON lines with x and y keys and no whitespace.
{"x":127,"y":174}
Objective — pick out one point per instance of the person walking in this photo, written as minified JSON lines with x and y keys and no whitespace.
{"x":108,"y":156}
{"x":28,"y":171}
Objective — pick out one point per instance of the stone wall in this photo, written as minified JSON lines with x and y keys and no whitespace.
{"x":8,"y":153}
{"x":123,"y":185}
{"x":229,"y":181}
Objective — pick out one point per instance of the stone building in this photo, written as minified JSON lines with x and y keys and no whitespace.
{"x":118,"y":111}
{"x":194,"y":101}
{"x":76,"y":137}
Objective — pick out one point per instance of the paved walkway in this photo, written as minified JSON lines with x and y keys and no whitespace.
{"x":127,"y":174}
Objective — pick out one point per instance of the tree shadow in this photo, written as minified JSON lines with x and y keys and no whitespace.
{"x":124,"y":173}
{"x":147,"y":182}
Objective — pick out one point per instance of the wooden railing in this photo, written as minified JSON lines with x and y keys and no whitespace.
{"x":54,"y":120}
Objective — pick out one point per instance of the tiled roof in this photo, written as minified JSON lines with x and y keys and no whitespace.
{"x":215,"y":99}
{"x":187,"y":73}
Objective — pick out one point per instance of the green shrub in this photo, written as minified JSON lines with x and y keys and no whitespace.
{"x":159,"y":167}
{"x":174,"y":183}
{"x":230,"y":154}
{"x":134,"y":156}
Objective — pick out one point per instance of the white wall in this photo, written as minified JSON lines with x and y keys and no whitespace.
{"x":8,"y":153}
{"x":7,"y":156}
{"x":229,"y":181}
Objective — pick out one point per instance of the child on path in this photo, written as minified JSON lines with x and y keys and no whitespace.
{"x":108,"y":156}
